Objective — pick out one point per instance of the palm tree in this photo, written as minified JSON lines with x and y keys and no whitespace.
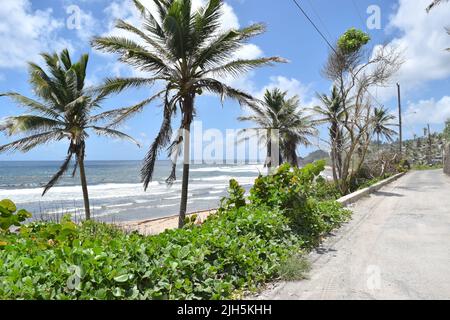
{"x":187,"y":53}
{"x":332,"y":112}
{"x":63,"y":111}
{"x":277,"y":112}
{"x":381,"y":124}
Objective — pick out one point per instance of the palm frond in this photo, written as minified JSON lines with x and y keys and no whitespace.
{"x":31,"y":104}
{"x":59,"y":174}
{"x":102,"y":131}
{"x":30,"y":124}
{"x":118,"y":116}
{"x":224,"y":46}
{"x":28,"y":143}
{"x":155,"y":44}
{"x":117,"y":85}
{"x":161,"y":140}
{"x":131,"y":53}
{"x":223,"y":90}
{"x":237,"y":67}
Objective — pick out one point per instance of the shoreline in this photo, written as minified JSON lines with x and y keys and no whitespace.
{"x":155,"y":226}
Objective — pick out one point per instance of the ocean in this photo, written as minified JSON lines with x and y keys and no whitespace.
{"x":115,"y":191}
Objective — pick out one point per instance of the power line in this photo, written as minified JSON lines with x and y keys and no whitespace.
{"x":359,"y":13}
{"x":314,"y":25}
{"x":329,"y":44}
{"x":320,"y":19}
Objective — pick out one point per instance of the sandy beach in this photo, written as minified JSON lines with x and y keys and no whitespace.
{"x":158,"y":225}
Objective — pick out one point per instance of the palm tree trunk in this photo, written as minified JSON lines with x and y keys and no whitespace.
{"x":188,"y":106}
{"x":185,"y":181}
{"x":269,"y":153}
{"x":80,"y":159}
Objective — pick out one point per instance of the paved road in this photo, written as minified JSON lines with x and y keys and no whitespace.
{"x":396,"y":247}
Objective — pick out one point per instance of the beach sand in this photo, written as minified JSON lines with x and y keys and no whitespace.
{"x":158,"y":225}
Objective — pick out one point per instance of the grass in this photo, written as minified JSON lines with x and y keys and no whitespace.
{"x":295,"y":268}
{"x":423,"y":167}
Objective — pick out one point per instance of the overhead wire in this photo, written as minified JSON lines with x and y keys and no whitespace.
{"x":327,"y":41}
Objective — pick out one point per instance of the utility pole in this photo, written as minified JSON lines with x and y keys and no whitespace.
{"x":400,"y":131}
{"x":430,"y":151}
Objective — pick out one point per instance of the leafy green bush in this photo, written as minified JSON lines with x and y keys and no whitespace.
{"x":9,"y":217}
{"x":236,"y":250}
{"x":326,"y":190}
{"x":352,"y":40}
{"x":294,"y":191}
{"x":235,"y":198}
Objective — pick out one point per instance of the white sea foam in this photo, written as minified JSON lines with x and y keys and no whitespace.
{"x":248,"y":168}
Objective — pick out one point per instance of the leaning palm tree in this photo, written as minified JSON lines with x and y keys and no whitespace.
{"x":186,"y":53}
{"x":332,"y":112}
{"x":64,"y":110}
{"x":277,"y":112}
{"x":381,"y":123}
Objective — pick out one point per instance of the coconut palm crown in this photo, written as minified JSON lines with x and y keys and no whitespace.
{"x":381,"y":122}
{"x":64,"y":110}
{"x":186,"y":52}
{"x":276,"y":111}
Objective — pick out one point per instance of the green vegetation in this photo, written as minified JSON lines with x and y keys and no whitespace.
{"x":9,"y":217}
{"x":352,"y":41}
{"x":294,"y":191}
{"x":236,"y":250}
{"x":186,"y":53}
{"x":422,"y":167}
{"x":278,"y":112}
{"x":63,"y":111}
{"x":364,"y":183}
{"x":295,"y":268}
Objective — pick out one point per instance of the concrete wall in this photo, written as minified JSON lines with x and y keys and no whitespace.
{"x":447,"y":158}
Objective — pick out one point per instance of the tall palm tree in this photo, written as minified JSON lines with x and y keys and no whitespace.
{"x":332,"y":112}
{"x":187,"y":53}
{"x":381,"y":123}
{"x":64,"y":110}
{"x":277,"y":112}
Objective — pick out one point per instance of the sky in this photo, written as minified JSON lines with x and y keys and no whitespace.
{"x":29,"y":27}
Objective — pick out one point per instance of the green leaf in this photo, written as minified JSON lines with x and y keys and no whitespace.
{"x":122,"y":278}
{"x":8,"y":205}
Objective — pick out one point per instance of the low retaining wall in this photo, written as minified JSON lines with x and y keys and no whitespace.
{"x":447,"y":158}
{"x":355,"y":196}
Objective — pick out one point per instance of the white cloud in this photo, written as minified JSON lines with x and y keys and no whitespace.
{"x":428,"y":111}
{"x":25,"y":33}
{"x":292,"y":86}
{"x":422,"y":41}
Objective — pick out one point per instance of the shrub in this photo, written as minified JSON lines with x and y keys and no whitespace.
{"x":236,"y":250}
{"x":235,"y":198}
{"x":294,"y":191}
{"x":9,"y":217}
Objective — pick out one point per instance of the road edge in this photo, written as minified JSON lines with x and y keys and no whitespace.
{"x":358,"y":195}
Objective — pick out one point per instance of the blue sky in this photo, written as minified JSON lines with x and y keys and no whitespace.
{"x":29,"y":27}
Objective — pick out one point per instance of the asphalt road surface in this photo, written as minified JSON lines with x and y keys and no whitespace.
{"x":397,"y":246}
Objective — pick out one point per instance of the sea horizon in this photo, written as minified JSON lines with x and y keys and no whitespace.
{"x":116,"y":192}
